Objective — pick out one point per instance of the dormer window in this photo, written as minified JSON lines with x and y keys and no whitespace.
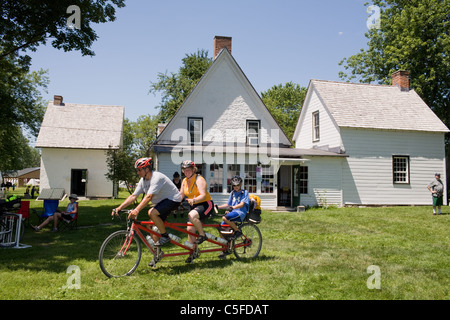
{"x":195,"y":127}
{"x":253,"y":129}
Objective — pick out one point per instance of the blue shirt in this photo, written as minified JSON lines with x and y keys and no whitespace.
{"x":238,"y":197}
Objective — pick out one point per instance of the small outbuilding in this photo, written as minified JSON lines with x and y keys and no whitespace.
{"x":74,"y":139}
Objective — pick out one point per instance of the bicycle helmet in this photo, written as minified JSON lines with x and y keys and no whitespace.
{"x":236,"y":181}
{"x":143,"y":163}
{"x":187,"y":164}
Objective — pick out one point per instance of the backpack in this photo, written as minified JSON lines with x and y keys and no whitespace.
{"x":253,"y":215}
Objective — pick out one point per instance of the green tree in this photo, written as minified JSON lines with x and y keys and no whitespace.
{"x":137,"y":139}
{"x":24,"y":25}
{"x":120,"y":161}
{"x":144,"y":132}
{"x":285,"y":103}
{"x":175,"y":87}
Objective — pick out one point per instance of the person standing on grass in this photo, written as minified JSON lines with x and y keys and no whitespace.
{"x":158,"y":189}
{"x":436,"y":188}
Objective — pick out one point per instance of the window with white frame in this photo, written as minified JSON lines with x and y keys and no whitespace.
{"x":316,"y":126}
{"x":250,"y":178}
{"x":304,"y":180}
{"x":195,"y":127}
{"x":267,"y":181}
{"x":253,"y":128}
{"x":400,"y":169}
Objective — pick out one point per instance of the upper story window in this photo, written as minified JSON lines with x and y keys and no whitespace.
{"x":253,"y":130}
{"x":316,"y":126}
{"x":195,"y":127}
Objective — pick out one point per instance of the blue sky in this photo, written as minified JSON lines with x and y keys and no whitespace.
{"x":274,"y":42}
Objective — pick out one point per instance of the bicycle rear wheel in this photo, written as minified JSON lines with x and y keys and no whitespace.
{"x":119,"y":254}
{"x":249,"y":244}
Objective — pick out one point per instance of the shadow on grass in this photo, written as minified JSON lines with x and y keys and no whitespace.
{"x":55,"y":251}
{"x":174,"y":267}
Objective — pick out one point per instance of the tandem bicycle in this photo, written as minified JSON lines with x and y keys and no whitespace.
{"x":121,"y":251}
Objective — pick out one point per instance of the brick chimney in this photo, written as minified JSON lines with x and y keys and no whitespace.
{"x":161,"y":127}
{"x":58,"y":100}
{"x":401,"y":79}
{"x":220,"y":43}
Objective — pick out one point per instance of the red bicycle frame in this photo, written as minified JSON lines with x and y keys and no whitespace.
{"x":145,"y":226}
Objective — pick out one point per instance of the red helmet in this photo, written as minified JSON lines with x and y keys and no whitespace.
{"x":187,"y":164}
{"x":144,"y":163}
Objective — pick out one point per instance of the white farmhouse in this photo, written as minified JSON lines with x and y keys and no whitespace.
{"x":74,"y":139}
{"x":392,"y":140}
{"x":225,"y":128}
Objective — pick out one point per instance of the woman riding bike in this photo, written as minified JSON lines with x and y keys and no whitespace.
{"x":194,"y":188}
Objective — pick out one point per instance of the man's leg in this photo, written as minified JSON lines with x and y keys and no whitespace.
{"x":159,"y":223}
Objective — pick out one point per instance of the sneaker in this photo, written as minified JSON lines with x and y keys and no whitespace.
{"x":162,"y":241}
{"x":200,"y":239}
{"x":190,"y":259}
{"x":36,"y":228}
{"x":155,"y":259}
{"x":55,"y":230}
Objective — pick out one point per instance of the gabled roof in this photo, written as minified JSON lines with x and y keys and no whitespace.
{"x":81,"y":126}
{"x":376,"y":107}
{"x":223,"y":58}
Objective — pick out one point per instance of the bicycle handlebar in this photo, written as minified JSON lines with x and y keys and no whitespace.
{"x":116,"y":214}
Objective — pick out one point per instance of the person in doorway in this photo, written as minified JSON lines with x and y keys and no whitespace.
{"x":69,"y":214}
{"x":436,"y":187}
{"x":177,"y":180}
{"x":158,"y":189}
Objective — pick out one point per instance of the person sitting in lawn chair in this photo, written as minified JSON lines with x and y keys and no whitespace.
{"x":69,"y":214}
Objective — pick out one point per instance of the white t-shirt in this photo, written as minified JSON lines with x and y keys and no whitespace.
{"x":160,"y":186}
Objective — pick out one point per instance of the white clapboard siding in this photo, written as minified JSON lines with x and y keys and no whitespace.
{"x":324,"y":182}
{"x":367,"y":172}
{"x":329,"y":132}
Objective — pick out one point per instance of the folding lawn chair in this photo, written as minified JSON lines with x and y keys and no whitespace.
{"x":24,"y":210}
{"x":68,"y":224}
{"x":50,"y":206}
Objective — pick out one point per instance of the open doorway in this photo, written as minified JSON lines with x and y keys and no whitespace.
{"x":78,"y":182}
{"x":285,"y":186}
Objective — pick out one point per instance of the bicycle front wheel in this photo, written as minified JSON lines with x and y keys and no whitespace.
{"x":119,"y":254}
{"x":249,"y":244}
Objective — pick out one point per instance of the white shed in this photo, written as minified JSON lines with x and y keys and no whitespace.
{"x":392,"y":140}
{"x":74,"y":139}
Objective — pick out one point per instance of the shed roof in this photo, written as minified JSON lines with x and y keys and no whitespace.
{"x":377,"y":107}
{"x":81,"y":126}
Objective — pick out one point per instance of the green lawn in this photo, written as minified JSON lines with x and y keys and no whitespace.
{"x":318,"y":254}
